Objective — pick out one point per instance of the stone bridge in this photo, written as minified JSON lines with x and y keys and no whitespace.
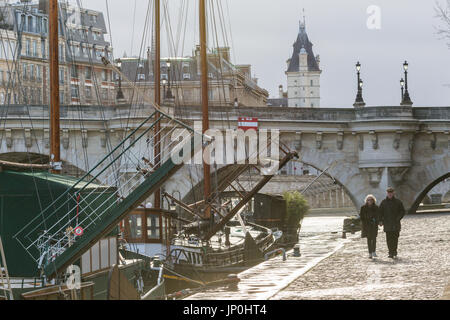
{"x":365,"y":149}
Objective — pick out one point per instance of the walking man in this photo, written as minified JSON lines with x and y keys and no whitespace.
{"x":391,"y":212}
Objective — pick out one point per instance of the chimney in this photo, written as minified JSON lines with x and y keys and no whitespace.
{"x":280,"y":91}
{"x":197,"y":59}
{"x":43,"y":6}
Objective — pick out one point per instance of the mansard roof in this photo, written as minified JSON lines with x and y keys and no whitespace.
{"x":303,"y":42}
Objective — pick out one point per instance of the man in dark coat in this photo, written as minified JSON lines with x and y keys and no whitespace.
{"x":391,"y":211}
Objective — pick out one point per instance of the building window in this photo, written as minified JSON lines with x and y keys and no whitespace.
{"x":135,"y":223}
{"x":74,"y":71}
{"x":186,"y":76}
{"x":105,"y":94}
{"x":153,"y":231}
{"x":38,"y":73}
{"x":88,"y":91}
{"x":74,"y":90}
{"x":61,"y":75}
{"x":104,"y":75}
{"x":88,"y":73}
{"x":32,"y":78}
{"x":141,"y":76}
{"x":30,"y":23}
{"x":35,"y":49}
{"x":39,"y":25}
{"x":45,"y":25}
{"x":25,"y":71}
{"x":28,"y":47}
{"x":312,"y":83}
{"x":43,"y":49}
{"x":61,"y":52}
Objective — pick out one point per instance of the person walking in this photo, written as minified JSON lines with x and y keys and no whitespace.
{"x":369,"y":224}
{"x":391,"y":211}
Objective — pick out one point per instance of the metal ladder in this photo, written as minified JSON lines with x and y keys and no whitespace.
{"x":95,"y":204}
{"x":5,"y":282}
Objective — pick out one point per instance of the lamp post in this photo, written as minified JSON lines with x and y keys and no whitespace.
{"x":402,"y":85}
{"x":169,"y":92}
{"x":406,"y":101}
{"x":120,"y":95}
{"x":359,"y":102}
{"x":164,"y":83}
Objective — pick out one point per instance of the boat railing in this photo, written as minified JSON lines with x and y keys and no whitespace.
{"x":128,"y":172}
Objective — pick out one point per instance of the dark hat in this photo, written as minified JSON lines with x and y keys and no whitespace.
{"x":390,"y":189}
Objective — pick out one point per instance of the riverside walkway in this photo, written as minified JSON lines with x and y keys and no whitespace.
{"x":335,"y":268}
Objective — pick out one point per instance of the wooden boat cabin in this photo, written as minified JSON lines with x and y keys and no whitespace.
{"x":147,"y":231}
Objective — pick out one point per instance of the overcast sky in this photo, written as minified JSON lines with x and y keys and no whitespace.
{"x":263,"y":32}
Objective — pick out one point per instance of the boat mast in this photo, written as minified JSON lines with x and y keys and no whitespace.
{"x":205,"y":114}
{"x":55,"y":148}
{"x":157,"y":89}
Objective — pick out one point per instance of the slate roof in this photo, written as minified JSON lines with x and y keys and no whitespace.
{"x":303,"y":42}
{"x":283,"y":102}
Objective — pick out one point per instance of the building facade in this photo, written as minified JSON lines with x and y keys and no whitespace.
{"x":303,"y":73}
{"x":24,"y":56}
{"x":229,"y":85}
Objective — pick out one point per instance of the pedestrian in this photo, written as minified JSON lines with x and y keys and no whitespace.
{"x":369,"y":224}
{"x":391,"y":211}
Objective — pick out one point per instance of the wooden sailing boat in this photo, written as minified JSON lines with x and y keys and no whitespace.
{"x":39,"y":187}
{"x":198,"y":255}
{"x":109,"y":192}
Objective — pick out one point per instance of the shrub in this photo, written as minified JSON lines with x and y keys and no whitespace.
{"x":296,"y":207}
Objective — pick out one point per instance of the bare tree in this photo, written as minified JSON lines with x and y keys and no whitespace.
{"x":443,"y":13}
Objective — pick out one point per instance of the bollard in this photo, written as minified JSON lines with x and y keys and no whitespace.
{"x":344,"y":235}
{"x":297,"y":251}
{"x":233,"y":281}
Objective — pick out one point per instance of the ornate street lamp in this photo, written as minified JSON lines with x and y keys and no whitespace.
{"x":359,"y":102}
{"x":402,"y":85}
{"x":406,"y":101}
{"x":120,"y":95}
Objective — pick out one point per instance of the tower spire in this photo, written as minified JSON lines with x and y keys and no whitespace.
{"x":303,"y":23}
{"x":304,"y":18}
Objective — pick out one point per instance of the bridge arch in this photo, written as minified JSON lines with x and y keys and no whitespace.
{"x":426,"y":190}
{"x":329,"y":174}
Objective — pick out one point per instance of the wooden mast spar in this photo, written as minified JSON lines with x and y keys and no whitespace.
{"x":205,"y":102}
{"x":157,"y":71}
{"x":55,"y":148}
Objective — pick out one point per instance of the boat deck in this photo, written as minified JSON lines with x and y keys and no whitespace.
{"x":217,"y":242}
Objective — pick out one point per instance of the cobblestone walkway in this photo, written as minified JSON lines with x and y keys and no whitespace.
{"x":421,"y":272}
